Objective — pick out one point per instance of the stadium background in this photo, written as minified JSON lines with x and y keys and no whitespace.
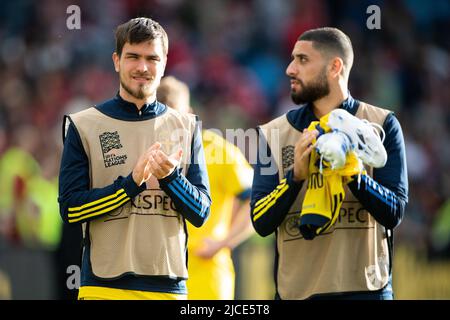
{"x":233,"y":55}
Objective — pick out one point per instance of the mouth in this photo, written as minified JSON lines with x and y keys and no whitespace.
{"x":295,"y":83}
{"x":141,"y":78}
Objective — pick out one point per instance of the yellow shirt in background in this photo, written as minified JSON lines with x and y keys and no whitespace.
{"x":229,"y":175}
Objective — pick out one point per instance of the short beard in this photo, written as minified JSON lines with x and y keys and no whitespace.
{"x":142,"y":93}
{"x":312,"y":92}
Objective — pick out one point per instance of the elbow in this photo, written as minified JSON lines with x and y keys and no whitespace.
{"x":397,"y":216}
{"x":67,"y":221}
{"x":395,"y":222}
{"x":198,"y":221}
{"x":263,"y":233}
{"x":198,"y":218}
{"x":64,"y":213}
{"x":389,"y":223}
{"x":261,"y":229}
{"x":262,"y":226}
{"x":392,"y":224}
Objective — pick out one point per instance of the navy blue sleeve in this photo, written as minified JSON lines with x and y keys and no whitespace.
{"x":386,"y":195}
{"x":271,"y":198}
{"x":77,"y":202}
{"x":191,"y":194}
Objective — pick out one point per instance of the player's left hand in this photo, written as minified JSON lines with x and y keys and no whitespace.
{"x":209,"y":248}
{"x":162,"y":165}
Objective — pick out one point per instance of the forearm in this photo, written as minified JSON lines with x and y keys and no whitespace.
{"x":383,"y":204}
{"x":386,"y":194}
{"x":269,"y":210}
{"x":241,"y":226}
{"x":192,"y":202}
{"x":78,"y":206}
{"x":77,"y":201}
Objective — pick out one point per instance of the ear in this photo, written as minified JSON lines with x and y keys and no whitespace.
{"x":116,"y":60}
{"x":336,"y":67}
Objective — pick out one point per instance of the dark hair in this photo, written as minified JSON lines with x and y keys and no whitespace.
{"x":331,"y":41}
{"x":138,"y":30}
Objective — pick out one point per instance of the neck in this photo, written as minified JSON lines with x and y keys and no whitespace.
{"x":138,"y":102}
{"x":330,"y":102}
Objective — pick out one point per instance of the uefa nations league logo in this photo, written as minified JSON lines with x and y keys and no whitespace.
{"x":110,"y":143}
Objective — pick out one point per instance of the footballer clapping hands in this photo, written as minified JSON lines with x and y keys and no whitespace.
{"x":155,"y":162}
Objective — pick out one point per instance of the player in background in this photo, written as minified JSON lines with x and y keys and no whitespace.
{"x":211,"y":271}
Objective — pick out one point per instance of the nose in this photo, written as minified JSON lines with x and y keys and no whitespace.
{"x":290,"y":70}
{"x":142,"y":66}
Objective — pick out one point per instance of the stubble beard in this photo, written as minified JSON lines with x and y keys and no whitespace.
{"x":142,"y":93}
{"x":314,"y":91}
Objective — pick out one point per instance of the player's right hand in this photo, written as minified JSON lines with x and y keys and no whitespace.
{"x":303,"y":149}
{"x":142,"y":170}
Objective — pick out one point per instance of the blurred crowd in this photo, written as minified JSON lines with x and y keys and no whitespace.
{"x":233,"y":55}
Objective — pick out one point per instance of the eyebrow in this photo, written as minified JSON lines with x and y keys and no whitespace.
{"x":299,"y":55}
{"x":133,"y":54}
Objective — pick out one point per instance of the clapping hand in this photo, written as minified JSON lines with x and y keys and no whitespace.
{"x":155,"y":162}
